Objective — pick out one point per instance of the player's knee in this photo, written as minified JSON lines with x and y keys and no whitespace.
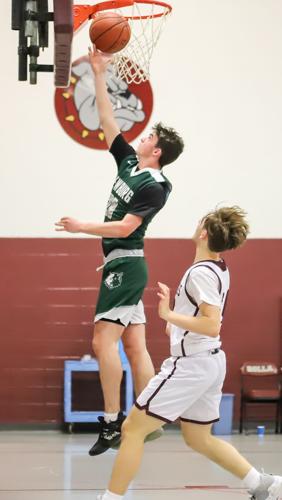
{"x":188,"y":439}
{"x":127,"y":429}
{"x":98,"y":345}
{"x":133,"y":353}
{"x":103,"y":345}
{"x":197,"y":442}
{"x":130,"y":428}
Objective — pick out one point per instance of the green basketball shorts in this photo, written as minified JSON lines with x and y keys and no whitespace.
{"x":122,"y":287}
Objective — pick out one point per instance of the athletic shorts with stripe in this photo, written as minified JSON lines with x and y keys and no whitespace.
{"x":122,"y":286}
{"x":188,"y":388}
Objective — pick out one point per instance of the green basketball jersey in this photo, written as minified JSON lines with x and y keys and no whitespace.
{"x":140,"y":192}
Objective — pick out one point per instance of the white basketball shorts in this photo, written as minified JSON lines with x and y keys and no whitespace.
{"x":133,"y":315}
{"x":188,"y":388}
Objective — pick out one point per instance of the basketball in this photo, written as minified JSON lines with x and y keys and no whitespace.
{"x":110,"y":32}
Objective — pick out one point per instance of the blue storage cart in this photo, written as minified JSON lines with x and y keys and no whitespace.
{"x":71,"y":416}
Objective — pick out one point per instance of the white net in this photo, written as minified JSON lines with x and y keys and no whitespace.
{"x":146,"y":23}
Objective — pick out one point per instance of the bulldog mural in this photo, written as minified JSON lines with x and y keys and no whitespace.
{"x":77,"y":111}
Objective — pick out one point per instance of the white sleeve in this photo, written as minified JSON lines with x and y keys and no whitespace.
{"x":203,"y":286}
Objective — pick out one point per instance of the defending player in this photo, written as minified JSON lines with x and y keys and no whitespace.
{"x":190,"y":382}
{"x":140,"y":190}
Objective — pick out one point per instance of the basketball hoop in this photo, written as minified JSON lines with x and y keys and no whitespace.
{"x":147,"y":19}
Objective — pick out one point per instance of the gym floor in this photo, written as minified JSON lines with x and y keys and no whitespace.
{"x":51,"y":465}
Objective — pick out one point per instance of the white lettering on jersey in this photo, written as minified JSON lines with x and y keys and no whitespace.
{"x":111,"y":206}
{"x":123,"y":190}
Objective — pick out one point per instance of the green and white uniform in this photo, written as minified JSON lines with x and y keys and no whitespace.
{"x":139,"y":192}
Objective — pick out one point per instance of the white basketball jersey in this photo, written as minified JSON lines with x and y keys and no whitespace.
{"x":206,"y":281}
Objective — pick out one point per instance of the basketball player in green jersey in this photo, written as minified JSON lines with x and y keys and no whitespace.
{"x":139,"y":191}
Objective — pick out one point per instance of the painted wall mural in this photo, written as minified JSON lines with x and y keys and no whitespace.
{"x":77,"y":112}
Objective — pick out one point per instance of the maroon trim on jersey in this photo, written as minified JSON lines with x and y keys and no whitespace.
{"x":225,"y":302}
{"x":198,"y":422}
{"x":219,"y":280}
{"x":182,"y":345}
{"x":193,"y":302}
{"x":191,"y":298}
{"x":151,"y":414}
{"x":182,"y":341}
{"x":220,"y":263}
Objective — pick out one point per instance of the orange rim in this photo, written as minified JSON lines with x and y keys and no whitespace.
{"x":115,"y":4}
{"x":83,"y":12}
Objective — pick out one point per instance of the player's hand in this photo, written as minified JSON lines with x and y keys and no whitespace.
{"x":68,"y":224}
{"x":98,"y":60}
{"x":164,"y":294}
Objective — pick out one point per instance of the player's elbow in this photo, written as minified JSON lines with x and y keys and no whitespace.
{"x":129,"y":225}
{"x":104,"y":120}
{"x":108,"y":123}
{"x":126,"y":230}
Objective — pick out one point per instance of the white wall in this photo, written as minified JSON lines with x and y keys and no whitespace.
{"x":217,"y":78}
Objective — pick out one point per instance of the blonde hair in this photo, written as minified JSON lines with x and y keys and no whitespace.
{"x":227,"y":228}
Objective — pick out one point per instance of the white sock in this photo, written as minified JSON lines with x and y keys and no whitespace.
{"x":110,"y":417}
{"x":252,"y":480}
{"x":111,"y":496}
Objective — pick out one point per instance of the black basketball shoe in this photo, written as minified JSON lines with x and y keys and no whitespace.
{"x":110,"y":435}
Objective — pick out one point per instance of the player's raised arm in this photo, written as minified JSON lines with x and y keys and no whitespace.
{"x":99,"y":63}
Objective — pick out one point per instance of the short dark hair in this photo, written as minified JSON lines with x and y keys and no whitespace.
{"x":170,"y":142}
{"x":227,"y":228}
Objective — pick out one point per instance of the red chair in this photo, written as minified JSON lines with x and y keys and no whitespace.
{"x":260,"y":385}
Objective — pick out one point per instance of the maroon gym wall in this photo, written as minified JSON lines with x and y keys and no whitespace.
{"x":47,"y":296}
